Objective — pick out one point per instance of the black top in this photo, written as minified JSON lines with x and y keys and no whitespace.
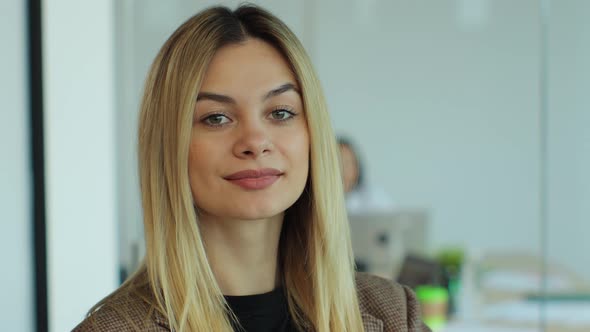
{"x":262,"y":312}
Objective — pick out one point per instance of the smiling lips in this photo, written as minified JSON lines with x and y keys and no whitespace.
{"x":255,"y":179}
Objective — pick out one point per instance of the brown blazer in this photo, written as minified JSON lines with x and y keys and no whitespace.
{"x":385,"y":307}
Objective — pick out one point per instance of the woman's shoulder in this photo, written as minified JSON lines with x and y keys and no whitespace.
{"x":123,"y":312}
{"x":394,"y":304}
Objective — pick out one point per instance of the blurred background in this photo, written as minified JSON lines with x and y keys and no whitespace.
{"x":469,"y":119}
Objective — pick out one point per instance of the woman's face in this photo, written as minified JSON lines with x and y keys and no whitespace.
{"x":249,"y":150}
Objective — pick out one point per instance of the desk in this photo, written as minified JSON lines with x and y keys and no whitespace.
{"x":481,"y":327}
{"x":491,"y":327}
{"x":560,"y":316}
{"x":501,"y":303}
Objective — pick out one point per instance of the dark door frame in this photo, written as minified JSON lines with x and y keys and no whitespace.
{"x":37,"y":153}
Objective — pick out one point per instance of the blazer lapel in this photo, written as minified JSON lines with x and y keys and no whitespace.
{"x":161,"y":320}
{"x":371,"y":324}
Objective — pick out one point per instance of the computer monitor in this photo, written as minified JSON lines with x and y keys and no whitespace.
{"x":381,"y":240}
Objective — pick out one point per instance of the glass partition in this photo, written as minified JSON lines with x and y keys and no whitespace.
{"x":469,"y":119}
{"x":567,"y":176}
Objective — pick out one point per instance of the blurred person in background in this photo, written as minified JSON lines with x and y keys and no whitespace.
{"x":361,"y":198}
{"x":244,"y":217}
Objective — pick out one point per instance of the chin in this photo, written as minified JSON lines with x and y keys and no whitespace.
{"x":258,"y":213}
{"x":255,"y":210}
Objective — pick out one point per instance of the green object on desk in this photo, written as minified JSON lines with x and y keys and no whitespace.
{"x":433,"y":296}
{"x":430,"y":294}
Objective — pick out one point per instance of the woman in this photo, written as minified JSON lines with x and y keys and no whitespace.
{"x":244,"y":215}
{"x":361,"y":198}
{"x":352,"y":170}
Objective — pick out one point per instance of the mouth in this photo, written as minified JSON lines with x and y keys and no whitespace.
{"x":255,"y":179}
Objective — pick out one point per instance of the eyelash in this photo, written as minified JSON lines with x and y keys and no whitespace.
{"x":211,"y":115}
{"x":288,"y":110}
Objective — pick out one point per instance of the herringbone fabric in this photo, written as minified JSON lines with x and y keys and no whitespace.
{"x":385,"y":307}
{"x":394,"y":305}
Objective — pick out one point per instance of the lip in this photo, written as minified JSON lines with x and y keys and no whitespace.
{"x":255,"y":179}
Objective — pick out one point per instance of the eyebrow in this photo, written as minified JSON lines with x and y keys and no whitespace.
{"x":281,"y":89}
{"x":229,"y":100}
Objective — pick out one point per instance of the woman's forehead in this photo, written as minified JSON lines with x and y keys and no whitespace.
{"x":253,"y":63}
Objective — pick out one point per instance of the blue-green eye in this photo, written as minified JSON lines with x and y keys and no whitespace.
{"x":216,"y":120}
{"x":281,"y":114}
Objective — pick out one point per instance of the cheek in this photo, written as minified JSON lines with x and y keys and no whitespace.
{"x":193,"y":171}
{"x":198,"y":164}
{"x":200,"y":171}
{"x":301,"y":148}
{"x":303,"y":160}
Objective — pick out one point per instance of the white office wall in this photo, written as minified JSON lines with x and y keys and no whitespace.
{"x":78,"y":42}
{"x":442,"y":98}
{"x":569,"y":135}
{"x":16,"y":231}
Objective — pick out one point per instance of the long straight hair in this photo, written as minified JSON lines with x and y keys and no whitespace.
{"x":315,"y":254}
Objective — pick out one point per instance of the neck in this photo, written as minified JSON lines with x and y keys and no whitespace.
{"x":243,"y":253}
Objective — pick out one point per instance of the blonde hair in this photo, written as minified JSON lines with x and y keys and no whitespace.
{"x":315,"y":252}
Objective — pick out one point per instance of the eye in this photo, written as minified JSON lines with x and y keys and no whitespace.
{"x":281,"y":114}
{"x":216,"y":120}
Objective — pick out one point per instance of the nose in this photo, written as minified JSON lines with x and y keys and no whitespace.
{"x":253,"y":142}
